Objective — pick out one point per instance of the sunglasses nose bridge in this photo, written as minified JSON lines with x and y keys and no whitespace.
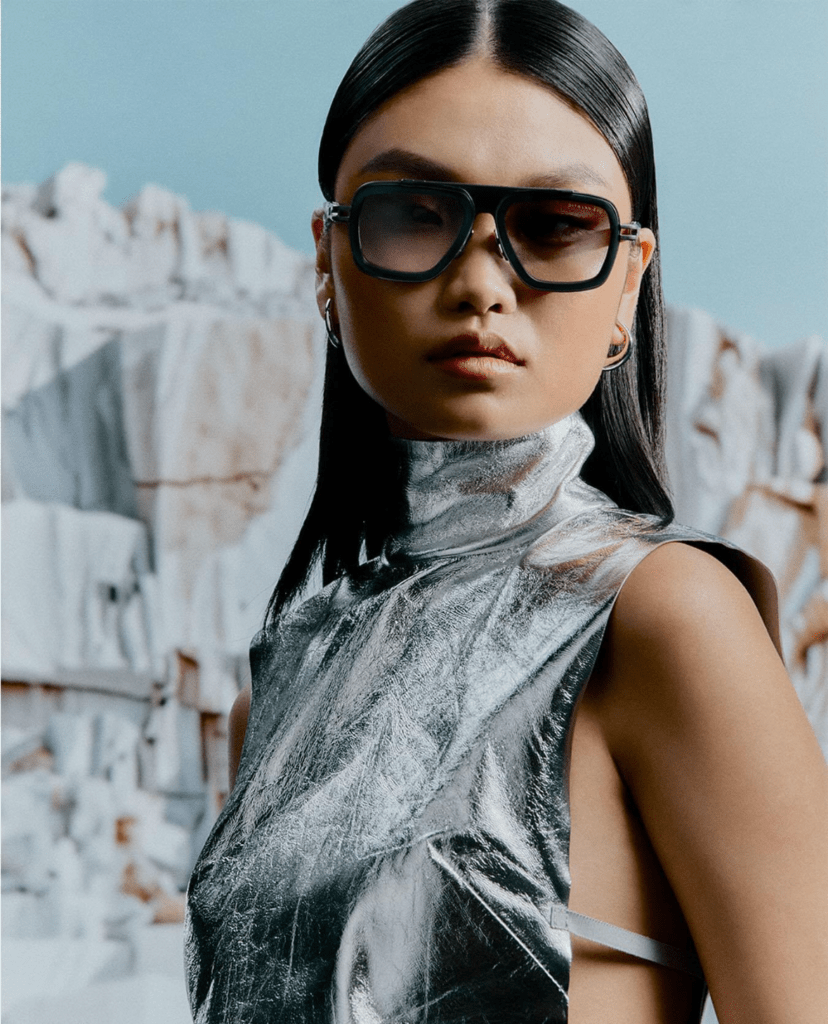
{"x":489,"y":199}
{"x":498,"y":246}
{"x":485,"y":208}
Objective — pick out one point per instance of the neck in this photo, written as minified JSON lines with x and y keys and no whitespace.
{"x":464,"y":497}
{"x":405,"y":432}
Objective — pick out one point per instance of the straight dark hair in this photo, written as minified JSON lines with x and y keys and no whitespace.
{"x":350,"y":515}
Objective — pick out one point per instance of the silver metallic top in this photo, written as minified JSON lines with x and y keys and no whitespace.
{"x":396,"y":846}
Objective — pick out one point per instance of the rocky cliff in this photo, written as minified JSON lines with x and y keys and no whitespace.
{"x":161,"y":374}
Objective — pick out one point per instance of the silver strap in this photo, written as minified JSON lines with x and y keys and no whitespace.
{"x":626,"y":941}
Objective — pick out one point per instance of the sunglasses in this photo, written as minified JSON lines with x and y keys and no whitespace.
{"x":555,"y":240}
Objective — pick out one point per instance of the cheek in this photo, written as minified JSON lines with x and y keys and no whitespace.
{"x":355,"y":296}
{"x":372,"y":328}
{"x":576,"y":333}
{"x":375,"y":316}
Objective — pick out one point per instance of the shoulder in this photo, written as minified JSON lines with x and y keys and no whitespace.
{"x":236,"y":729}
{"x":683,"y":627}
{"x":680,"y":592}
{"x":692,"y":695}
{"x":240,"y":710}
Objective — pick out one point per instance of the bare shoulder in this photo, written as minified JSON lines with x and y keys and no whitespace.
{"x":681,"y":623}
{"x":236,"y":729}
{"x":679,"y":590}
{"x":709,"y":736}
{"x":688,"y":663}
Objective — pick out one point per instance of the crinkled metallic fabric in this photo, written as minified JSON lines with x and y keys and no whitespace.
{"x":399,"y":829}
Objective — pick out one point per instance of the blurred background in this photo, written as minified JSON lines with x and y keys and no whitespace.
{"x":161,"y":373}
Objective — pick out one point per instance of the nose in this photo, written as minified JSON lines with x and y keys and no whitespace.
{"x":480,"y":279}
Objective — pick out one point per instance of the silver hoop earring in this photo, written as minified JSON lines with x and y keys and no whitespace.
{"x":625,"y":348}
{"x":333,"y":338}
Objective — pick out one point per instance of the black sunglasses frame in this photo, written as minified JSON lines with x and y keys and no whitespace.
{"x":493,"y":199}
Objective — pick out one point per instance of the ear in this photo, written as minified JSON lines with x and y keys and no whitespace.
{"x":639,"y":260}
{"x":324,"y":277}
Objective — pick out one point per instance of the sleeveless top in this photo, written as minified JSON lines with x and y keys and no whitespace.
{"x":396,"y":847}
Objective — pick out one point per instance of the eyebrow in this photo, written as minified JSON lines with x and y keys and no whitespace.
{"x":412,"y":164}
{"x":565,"y":177}
{"x":415,"y":166}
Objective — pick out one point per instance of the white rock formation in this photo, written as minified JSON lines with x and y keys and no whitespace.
{"x":160,"y":368}
{"x":82,"y":251}
{"x":746,"y":436}
{"x":80,"y":594}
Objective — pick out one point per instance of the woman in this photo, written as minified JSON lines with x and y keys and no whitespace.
{"x":435,"y":818}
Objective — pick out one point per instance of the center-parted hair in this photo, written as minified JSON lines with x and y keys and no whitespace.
{"x":350,"y":515}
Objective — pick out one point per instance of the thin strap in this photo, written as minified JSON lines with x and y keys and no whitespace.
{"x":626,"y":941}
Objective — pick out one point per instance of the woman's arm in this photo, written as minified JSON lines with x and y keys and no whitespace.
{"x":236,"y":729}
{"x":711,"y":739}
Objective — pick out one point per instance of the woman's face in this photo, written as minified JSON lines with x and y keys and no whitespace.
{"x":477,"y":124}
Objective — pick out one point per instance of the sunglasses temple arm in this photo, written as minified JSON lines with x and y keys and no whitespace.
{"x":334,"y":213}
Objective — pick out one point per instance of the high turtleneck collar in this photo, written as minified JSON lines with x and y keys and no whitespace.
{"x":464,"y":497}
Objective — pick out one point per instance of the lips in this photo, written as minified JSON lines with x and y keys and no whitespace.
{"x":473,"y":346}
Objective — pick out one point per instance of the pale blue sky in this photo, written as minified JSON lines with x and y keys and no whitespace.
{"x":223,"y":101}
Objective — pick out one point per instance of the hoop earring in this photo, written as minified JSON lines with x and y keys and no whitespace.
{"x":625,"y":347}
{"x":333,"y":338}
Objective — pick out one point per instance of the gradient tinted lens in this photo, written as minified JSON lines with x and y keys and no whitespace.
{"x":409,"y":232}
{"x":559,"y":241}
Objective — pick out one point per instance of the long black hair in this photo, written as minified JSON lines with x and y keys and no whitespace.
{"x":350,"y":515}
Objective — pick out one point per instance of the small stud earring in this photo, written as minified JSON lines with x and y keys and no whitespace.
{"x":333,"y":338}
{"x":622,"y":352}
